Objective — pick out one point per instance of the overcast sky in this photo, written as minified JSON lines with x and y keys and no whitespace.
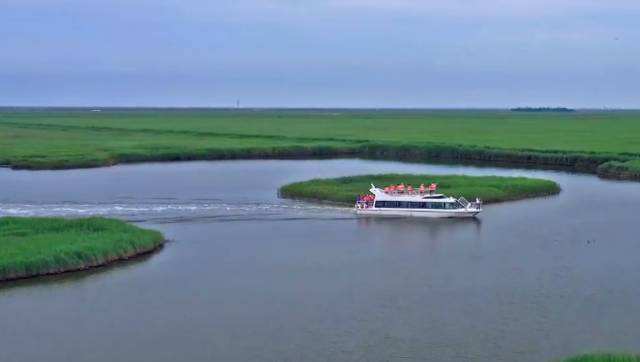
{"x":320,"y":53}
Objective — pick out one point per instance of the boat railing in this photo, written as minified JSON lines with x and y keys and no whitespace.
{"x":409,"y":193}
{"x":470,"y":205}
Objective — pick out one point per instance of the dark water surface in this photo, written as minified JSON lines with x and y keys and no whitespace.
{"x":250,"y":277}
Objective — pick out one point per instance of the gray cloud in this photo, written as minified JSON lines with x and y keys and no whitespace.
{"x":403,"y":53}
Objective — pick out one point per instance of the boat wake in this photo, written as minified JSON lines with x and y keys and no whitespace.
{"x":173,"y":211}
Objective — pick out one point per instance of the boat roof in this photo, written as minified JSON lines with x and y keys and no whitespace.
{"x":384,"y":196}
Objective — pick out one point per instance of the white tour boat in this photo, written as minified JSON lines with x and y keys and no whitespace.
{"x":404,"y":201}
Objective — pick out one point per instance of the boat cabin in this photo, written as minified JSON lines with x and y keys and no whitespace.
{"x":448,"y":205}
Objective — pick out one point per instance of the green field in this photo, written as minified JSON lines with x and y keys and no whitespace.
{"x":80,"y":138}
{"x":39,"y":246}
{"x":344,"y":190}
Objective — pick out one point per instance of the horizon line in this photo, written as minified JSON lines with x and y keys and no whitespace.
{"x":247,"y":108}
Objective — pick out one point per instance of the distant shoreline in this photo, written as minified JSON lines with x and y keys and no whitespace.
{"x":54,"y":138}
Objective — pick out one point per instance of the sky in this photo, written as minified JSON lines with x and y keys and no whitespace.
{"x":320,"y":53}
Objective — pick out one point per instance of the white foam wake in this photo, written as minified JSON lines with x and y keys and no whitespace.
{"x":71,"y":209}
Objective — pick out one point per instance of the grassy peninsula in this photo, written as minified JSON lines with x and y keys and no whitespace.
{"x":71,"y":138}
{"x":39,"y":246}
{"x":344,"y":190}
{"x":604,"y":357}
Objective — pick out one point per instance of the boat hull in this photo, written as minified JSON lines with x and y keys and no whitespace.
{"x":460,"y":213}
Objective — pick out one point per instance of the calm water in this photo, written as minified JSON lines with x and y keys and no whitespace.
{"x":250,"y":277}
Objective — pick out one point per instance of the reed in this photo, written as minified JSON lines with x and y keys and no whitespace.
{"x":344,"y":190}
{"x":428,"y":152}
{"x":36,"y":246}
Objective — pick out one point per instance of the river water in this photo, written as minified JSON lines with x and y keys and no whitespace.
{"x":247,"y":276}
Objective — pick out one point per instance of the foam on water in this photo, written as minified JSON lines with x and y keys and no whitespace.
{"x":140,"y":211}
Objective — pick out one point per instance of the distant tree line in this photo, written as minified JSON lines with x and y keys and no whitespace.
{"x":542,"y":109}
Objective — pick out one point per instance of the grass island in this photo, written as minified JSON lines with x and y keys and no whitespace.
{"x":35,"y":246}
{"x":490,"y":189}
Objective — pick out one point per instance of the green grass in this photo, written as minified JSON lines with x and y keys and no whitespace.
{"x":38,"y":147}
{"x":38,"y":246}
{"x":76,"y":138}
{"x":584,"y":131}
{"x":604,"y":357}
{"x":344,"y":190}
{"x":629,"y":170}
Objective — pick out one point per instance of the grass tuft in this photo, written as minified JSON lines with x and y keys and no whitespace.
{"x":39,"y":246}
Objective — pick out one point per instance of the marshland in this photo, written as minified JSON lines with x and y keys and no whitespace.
{"x":585,"y":140}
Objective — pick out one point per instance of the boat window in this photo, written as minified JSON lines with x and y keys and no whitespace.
{"x":388,"y":204}
{"x":453,"y":205}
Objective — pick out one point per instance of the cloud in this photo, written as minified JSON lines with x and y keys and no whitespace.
{"x":321,"y":51}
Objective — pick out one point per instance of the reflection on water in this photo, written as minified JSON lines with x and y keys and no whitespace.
{"x":416,"y":222}
{"x":68,"y":279}
{"x":434,"y":228}
{"x":249,"y":276}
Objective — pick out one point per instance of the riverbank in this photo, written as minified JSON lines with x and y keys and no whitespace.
{"x":585,"y":141}
{"x":33,"y":246}
{"x":490,"y":189}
